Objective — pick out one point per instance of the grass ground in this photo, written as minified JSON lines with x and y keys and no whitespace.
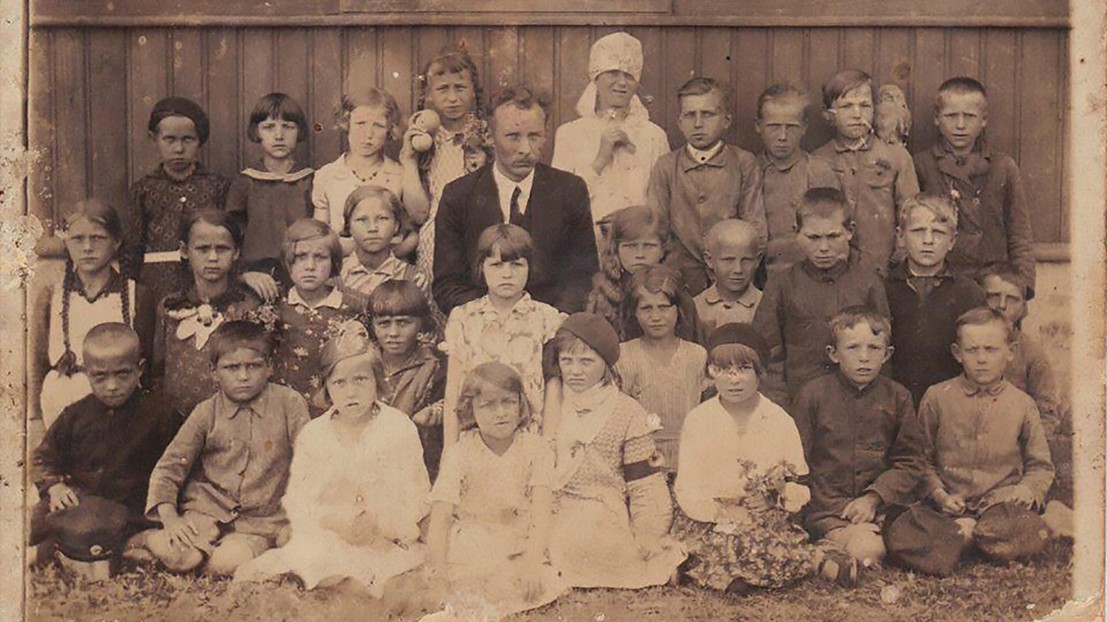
{"x":978,"y":591}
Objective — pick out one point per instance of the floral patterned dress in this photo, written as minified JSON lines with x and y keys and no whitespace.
{"x":336,"y":485}
{"x":301,"y":331}
{"x":477,"y":333}
{"x":600,"y":520}
{"x":492,"y":496}
{"x":721,"y":467}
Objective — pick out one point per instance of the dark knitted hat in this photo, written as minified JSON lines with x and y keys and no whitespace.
{"x":180,"y":107}
{"x":743,"y":334}
{"x":595,"y":331}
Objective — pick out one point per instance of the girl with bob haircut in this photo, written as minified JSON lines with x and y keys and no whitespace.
{"x":271,"y":193}
{"x":504,"y":325}
{"x":490,"y":517}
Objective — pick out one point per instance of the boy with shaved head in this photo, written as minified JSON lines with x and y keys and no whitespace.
{"x":93,"y":466}
{"x":732,"y":250}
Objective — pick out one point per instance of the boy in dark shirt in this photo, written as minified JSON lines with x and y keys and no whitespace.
{"x":925,"y":297}
{"x":862,"y":441}
{"x":103,"y":446}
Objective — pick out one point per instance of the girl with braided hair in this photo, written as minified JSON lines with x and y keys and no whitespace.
{"x":92,"y":291}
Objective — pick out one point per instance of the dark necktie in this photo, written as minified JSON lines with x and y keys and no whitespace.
{"x":516,"y":216}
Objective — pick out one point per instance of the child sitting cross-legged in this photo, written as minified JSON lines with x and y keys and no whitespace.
{"x":740,"y":481}
{"x":217,"y":488}
{"x":95,"y":461}
{"x":492,"y":504}
{"x":862,"y":441}
{"x":989,"y":467}
{"x":612,"y":507}
{"x":314,"y":309}
{"x":358,"y":487}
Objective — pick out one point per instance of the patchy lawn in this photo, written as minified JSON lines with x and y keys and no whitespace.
{"x":978,"y":591}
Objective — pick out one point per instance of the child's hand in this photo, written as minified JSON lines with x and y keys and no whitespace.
{"x":612,"y":137}
{"x":429,"y":416}
{"x":413,"y":135}
{"x":1017,"y":494}
{"x":62,"y":497}
{"x":862,"y":509}
{"x":949,"y":504}
{"x":263,"y":285}
{"x":180,"y":531}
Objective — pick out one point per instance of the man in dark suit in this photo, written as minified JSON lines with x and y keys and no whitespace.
{"x":550,"y":204}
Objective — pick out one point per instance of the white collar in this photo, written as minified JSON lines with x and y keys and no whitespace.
{"x":703,"y":155}
{"x":506,"y":187}
{"x":332,"y":300}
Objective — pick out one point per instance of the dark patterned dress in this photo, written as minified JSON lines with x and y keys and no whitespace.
{"x":152,"y":222}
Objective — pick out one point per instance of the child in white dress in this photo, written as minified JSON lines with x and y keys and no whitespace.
{"x":358,"y":486}
{"x":490,"y":518}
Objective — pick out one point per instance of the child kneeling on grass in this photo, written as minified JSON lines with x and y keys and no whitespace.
{"x":358,"y":487}
{"x":217,"y":488}
{"x":95,"y":461}
{"x":740,"y":478}
{"x":989,"y":466}
{"x":861,"y":438}
{"x":490,"y":519}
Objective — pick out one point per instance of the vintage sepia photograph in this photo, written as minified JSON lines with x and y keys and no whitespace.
{"x":478,"y":310}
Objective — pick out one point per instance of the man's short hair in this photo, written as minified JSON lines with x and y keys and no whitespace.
{"x":784,"y":92}
{"x":702,"y":86}
{"x":522,"y":96}
{"x":982,"y":316}
{"x":824,"y":202}
{"x":1007,"y":273}
{"x":843,"y":82}
{"x":859,"y":314}
{"x":236,"y":334}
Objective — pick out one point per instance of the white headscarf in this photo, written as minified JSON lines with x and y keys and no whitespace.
{"x":617,"y":51}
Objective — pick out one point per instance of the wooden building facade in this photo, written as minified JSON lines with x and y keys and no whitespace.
{"x":98,"y":67}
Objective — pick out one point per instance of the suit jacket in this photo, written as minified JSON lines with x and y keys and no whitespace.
{"x":558,"y":217}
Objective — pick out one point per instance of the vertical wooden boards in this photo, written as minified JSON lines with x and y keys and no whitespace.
{"x":929,"y":71}
{"x":825,"y":60}
{"x":397,"y":70}
{"x":753,"y":56}
{"x":716,"y":60}
{"x":72,"y":111}
{"x":41,"y":126}
{"x":147,"y":82}
{"x":679,"y":64}
{"x":325,"y":88}
{"x":537,"y":54}
{"x":227,"y":113}
{"x":107,"y":116}
{"x":1041,"y":121}
{"x":998,"y":73}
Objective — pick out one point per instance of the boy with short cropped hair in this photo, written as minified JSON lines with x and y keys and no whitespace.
{"x":877,"y":177}
{"x":227,"y":508}
{"x":733,"y":251}
{"x":1030,"y":370}
{"x":986,"y":186}
{"x":986,"y":444}
{"x":925,"y":297}
{"x":863,"y":443}
{"x":798,"y":302}
{"x":787,"y":170}
{"x":704,"y":181}
{"x":102,"y":447}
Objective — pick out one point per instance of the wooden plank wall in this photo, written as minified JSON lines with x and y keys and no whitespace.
{"x":92,"y":88}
